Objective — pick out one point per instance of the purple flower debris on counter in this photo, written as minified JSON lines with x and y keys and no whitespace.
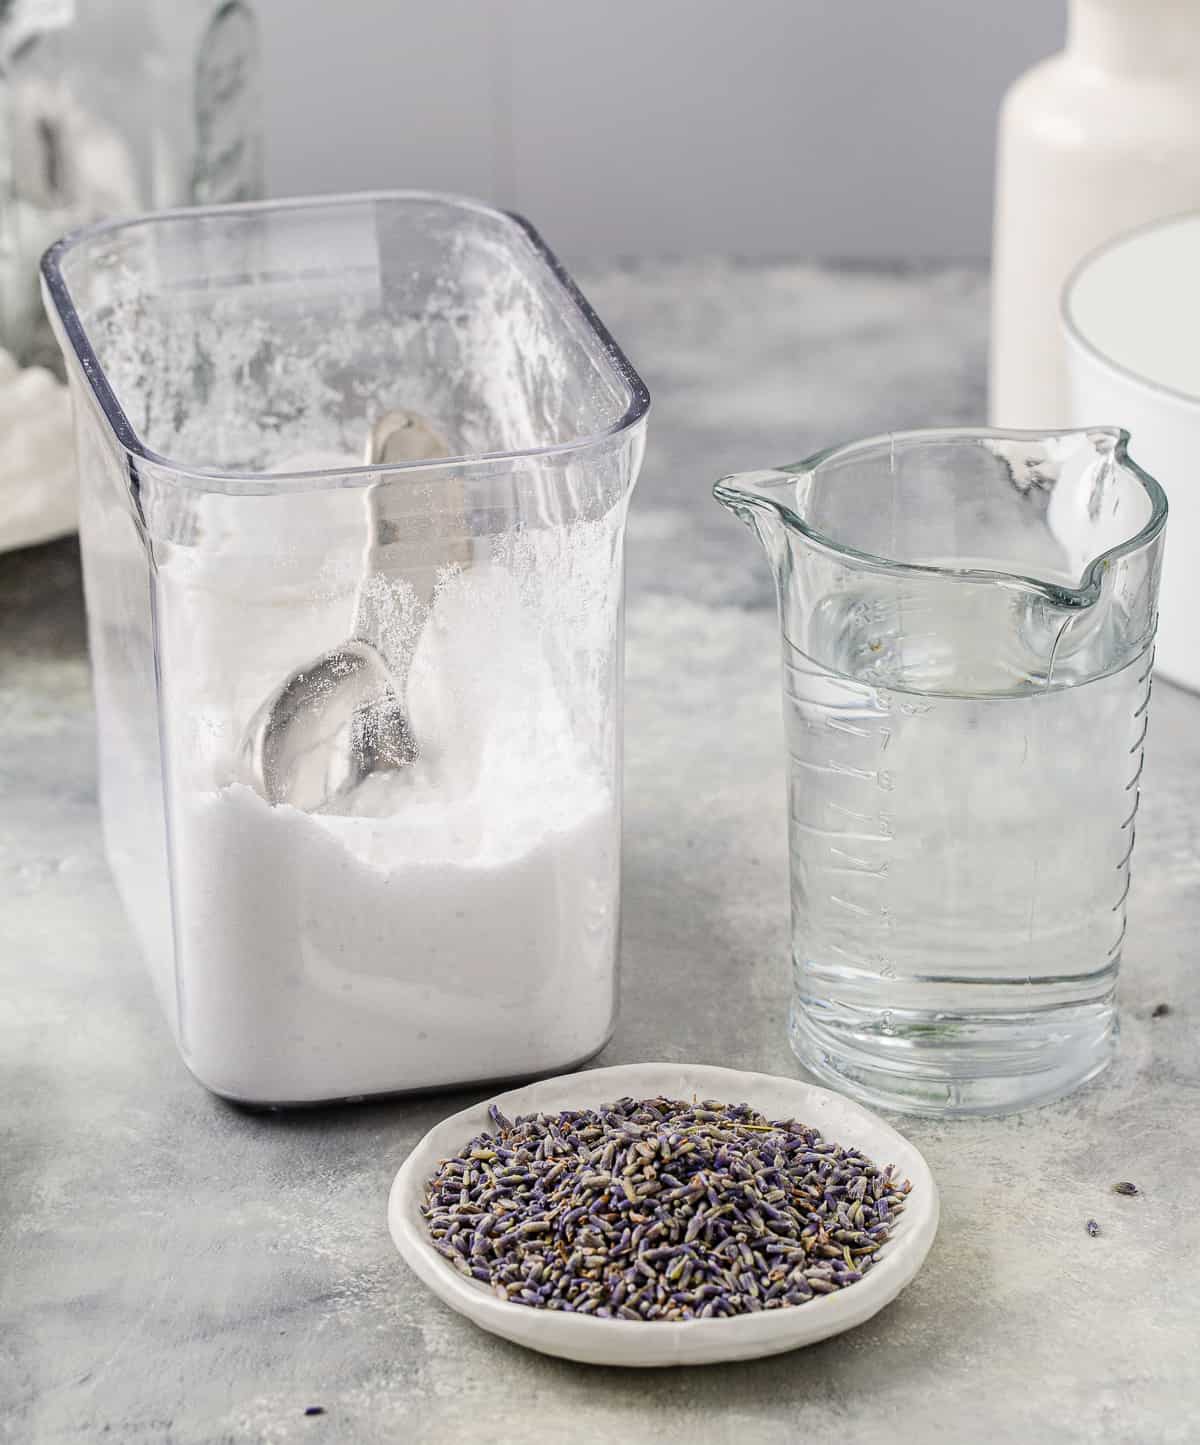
{"x":657,"y":1209}
{"x":1125,"y":1187}
{"x":1093,"y":1228}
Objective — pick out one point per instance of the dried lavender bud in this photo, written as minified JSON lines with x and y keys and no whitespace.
{"x":1124,"y":1187}
{"x":1093,"y":1228}
{"x":657,"y":1209}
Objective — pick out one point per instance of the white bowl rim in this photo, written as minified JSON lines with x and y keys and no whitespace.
{"x":1074,"y":332}
{"x":739,"y":1337}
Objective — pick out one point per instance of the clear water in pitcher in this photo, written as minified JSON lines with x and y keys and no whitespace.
{"x":960,"y":861}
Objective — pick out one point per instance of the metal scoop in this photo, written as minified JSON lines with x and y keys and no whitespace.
{"x":331,"y":724}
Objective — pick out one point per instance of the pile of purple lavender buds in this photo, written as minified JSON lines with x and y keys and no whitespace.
{"x":656,"y":1209}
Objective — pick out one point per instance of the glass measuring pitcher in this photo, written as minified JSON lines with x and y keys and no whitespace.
{"x":968,"y":620}
{"x":278,"y":596}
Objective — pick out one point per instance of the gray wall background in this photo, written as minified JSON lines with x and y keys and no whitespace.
{"x":859,"y":129}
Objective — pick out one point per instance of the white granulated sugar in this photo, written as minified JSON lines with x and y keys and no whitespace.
{"x":454,"y":921}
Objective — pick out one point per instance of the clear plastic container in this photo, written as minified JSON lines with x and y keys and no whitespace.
{"x":451,"y":920}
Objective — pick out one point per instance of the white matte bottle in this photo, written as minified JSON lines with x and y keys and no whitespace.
{"x":1093,"y":141}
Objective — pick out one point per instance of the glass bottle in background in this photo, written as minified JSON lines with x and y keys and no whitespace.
{"x":227,"y":160}
{"x":107,"y":107}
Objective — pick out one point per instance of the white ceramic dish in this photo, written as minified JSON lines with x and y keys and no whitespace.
{"x":659,"y":1342}
{"x":38,"y":490}
{"x":1131,"y":317}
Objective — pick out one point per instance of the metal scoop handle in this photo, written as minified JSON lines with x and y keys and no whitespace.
{"x":332,"y":723}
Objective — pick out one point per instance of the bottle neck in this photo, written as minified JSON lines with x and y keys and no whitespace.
{"x":1160,"y":37}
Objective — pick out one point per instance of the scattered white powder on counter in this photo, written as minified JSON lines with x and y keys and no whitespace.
{"x":455,"y":921}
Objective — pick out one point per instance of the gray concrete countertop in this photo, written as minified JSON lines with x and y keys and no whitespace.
{"x":173,"y":1269}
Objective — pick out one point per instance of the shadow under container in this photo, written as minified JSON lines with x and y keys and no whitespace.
{"x":967,"y":622}
{"x":453,"y":921}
